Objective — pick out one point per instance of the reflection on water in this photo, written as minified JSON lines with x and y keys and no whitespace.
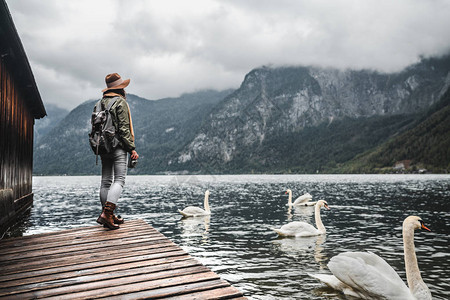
{"x":195,"y":227}
{"x":366,"y":213}
{"x":309,"y":246}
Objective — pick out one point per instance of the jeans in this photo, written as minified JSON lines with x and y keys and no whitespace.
{"x":114,"y":171}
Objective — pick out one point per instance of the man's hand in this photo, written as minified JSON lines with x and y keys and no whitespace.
{"x":134,"y":154}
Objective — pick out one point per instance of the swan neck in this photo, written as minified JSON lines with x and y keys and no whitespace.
{"x":412,"y":268}
{"x":319,"y":223}
{"x":290,"y":198}
{"x":206,"y":203}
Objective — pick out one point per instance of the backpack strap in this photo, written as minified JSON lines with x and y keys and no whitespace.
{"x":98,"y":106}
{"x":111,"y":103}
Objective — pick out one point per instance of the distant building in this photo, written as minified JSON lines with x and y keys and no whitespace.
{"x":402,"y":165}
{"x":20,"y":105}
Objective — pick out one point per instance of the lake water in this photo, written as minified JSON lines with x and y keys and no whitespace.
{"x":236,"y":241}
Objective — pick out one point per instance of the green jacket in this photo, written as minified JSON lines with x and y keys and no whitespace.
{"x":119,"y":112}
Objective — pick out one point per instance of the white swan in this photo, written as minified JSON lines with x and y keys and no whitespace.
{"x":302,"y":229}
{"x":368,"y":276}
{"x":302,"y":200}
{"x":194,"y":211}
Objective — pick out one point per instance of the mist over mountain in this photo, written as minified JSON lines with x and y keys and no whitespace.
{"x":307,"y":120}
{"x":44,"y":125}
{"x":280,"y":120}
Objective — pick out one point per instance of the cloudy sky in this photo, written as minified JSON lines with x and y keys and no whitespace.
{"x":171,"y":47}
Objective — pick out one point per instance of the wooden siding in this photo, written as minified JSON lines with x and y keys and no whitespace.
{"x":133,"y":262}
{"x":16,"y":147}
{"x":20,"y":105}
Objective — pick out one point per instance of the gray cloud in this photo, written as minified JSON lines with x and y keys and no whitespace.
{"x":171,"y":47}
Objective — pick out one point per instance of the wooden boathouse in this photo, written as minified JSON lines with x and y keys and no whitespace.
{"x":20,"y":105}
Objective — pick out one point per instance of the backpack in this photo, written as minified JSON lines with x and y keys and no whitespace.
{"x":103,"y":137}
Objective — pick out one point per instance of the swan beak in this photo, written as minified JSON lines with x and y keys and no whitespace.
{"x":286,"y":192}
{"x":425,"y":227}
{"x":326,"y":206}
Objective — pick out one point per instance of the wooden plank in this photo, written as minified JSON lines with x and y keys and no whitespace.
{"x":227,"y":292}
{"x":82,"y":283}
{"x":170,"y":291}
{"x":97,"y":240}
{"x":60,"y":233}
{"x":155,"y":288}
{"x":85,"y":246}
{"x":110,"y":269}
{"x":27,"y":266}
{"x":81,"y":253}
{"x":119,"y":286}
{"x":134,"y":262}
{"x":96,"y":237}
{"x":83,"y":266}
{"x":6,"y":243}
{"x":71,"y":230}
{"x":129,"y":241}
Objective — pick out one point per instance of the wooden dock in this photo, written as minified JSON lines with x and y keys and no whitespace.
{"x":133,"y":262}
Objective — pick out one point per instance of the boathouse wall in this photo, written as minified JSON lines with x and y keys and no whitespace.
{"x":20,"y":105}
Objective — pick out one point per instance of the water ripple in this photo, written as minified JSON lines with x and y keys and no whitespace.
{"x":237,"y":242}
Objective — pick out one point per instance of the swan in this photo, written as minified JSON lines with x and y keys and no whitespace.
{"x":194,"y":211}
{"x":368,"y":276}
{"x":302,"y":200}
{"x":302,"y":229}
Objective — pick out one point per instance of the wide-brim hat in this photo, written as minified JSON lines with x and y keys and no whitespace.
{"x":115,"y":82}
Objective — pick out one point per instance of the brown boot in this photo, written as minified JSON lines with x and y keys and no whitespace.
{"x":99,"y":219}
{"x":118,"y":219}
{"x":106,"y":218}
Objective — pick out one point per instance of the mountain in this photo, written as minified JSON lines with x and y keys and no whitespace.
{"x":44,"y":125}
{"x":280,"y":120}
{"x":309,"y":119}
{"x":160,"y":127}
{"x":424,"y":147}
